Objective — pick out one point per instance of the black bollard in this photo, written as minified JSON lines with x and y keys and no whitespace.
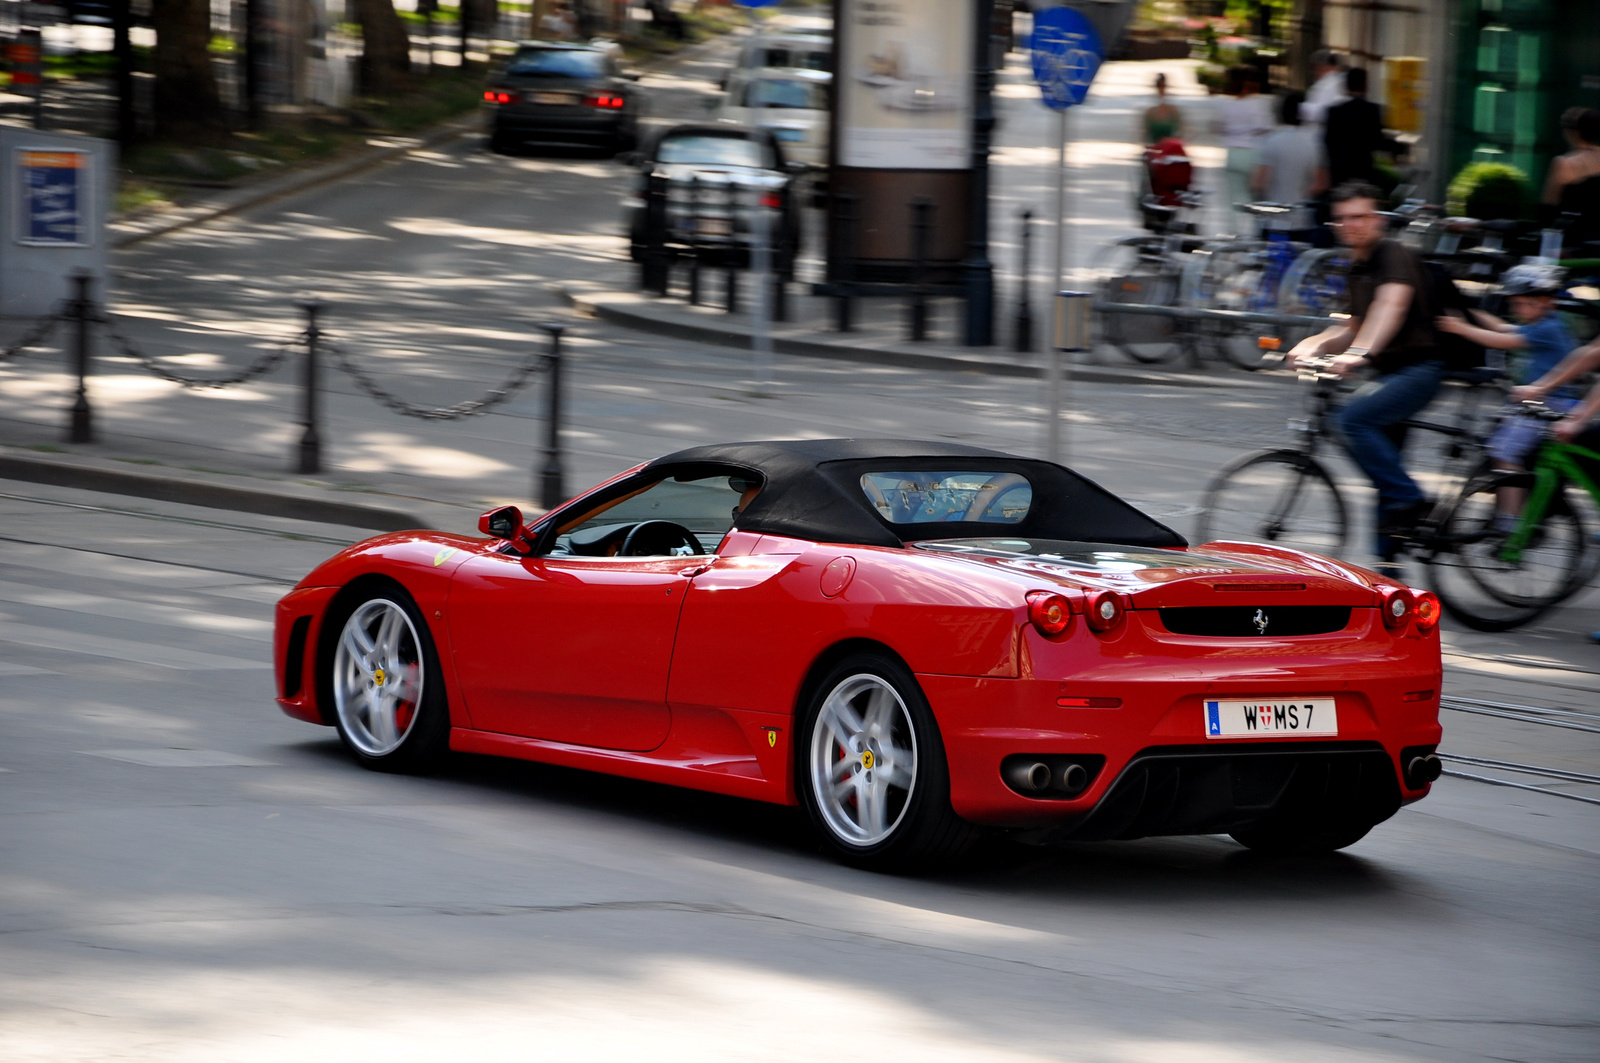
{"x":310,"y":455}
{"x":551,"y":490}
{"x":654,"y":267}
{"x":1023,"y":340}
{"x":921,"y":232}
{"x":844,"y":250}
{"x":695,"y":249}
{"x":81,"y":427}
{"x":730,"y":251}
{"x":780,"y":295}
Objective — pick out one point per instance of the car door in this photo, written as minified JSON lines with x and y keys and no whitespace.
{"x":569,"y":649}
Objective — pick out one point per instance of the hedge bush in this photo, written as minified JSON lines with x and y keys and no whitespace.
{"x":1488,"y":191}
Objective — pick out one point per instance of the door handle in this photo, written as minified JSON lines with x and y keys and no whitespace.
{"x":689,"y":573}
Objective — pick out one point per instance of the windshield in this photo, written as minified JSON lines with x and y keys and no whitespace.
{"x":711,"y":150}
{"x":796,"y":95}
{"x":558,"y":63}
{"x":937,"y":497}
{"x":705,"y":507}
{"x":802,"y":58}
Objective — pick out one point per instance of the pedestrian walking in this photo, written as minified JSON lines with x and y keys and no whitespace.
{"x":1244,"y":117}
{"x":1572,"y":185}
{"x":1162,"y":121}
{"x":1353,"y":133}
{"x":1293,"y":167}
{"x":1326,"y":91}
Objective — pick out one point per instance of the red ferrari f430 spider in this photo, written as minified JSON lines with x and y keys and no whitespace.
{"x":914,"y":641}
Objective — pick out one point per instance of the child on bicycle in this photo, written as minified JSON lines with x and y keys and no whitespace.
{"x":1536,"y":346}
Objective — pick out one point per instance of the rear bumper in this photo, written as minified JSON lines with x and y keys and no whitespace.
{"x":1160,"y":774}
{"x":578,"y":127}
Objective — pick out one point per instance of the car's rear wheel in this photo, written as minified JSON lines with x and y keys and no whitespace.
{"x":385,"y":681}
{"x":872,"y":769}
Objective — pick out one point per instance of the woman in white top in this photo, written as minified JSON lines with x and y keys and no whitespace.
{"x":1245,"y":116}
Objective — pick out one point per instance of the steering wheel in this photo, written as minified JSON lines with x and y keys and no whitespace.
{"x":652,"y":538}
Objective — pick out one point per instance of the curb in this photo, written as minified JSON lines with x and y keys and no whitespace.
{"x":610,"y":308}
{"x":367,"y":159}
{"x":209,"y":495}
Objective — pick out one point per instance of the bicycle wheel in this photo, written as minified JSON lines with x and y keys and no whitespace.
{"x":1249,"y":287}
{"x":1487,"y":583}
{"x":1282,"y":497}
{"x":1129,"y":274}
{"x":1315,"y":283}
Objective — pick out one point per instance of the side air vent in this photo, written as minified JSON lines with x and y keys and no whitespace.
{"x":1253,"y":621}
{"x":295,"y":656}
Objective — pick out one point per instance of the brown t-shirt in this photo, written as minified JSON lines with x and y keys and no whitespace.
{"x":1392,"y":262}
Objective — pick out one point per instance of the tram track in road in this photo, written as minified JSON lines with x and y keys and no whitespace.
{"x":1568,"y":719}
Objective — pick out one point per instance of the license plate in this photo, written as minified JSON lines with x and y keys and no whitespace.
{"x":559,"y":99}
{"x":1251,"y":719}
{"x":714,"y":227}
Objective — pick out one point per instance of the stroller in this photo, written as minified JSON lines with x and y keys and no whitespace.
{"x":1166,"y":189}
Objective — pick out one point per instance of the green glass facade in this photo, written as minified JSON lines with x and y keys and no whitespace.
{"x":1519,"y":64}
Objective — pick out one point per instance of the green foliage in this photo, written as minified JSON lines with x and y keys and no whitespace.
{"x":1489,"y":191}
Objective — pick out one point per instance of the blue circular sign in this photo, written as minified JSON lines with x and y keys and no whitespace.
{"x":755,"y":3}
{"x":1066,"y":55}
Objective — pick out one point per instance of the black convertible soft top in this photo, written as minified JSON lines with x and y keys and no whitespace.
{"x":811,"y":490}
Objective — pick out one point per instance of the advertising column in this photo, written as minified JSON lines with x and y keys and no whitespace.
{"x":902,"y":129}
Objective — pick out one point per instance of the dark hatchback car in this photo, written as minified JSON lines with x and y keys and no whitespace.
{"x":716,"y":175}
{"x":561,"y":95}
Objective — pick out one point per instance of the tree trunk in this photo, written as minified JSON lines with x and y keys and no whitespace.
{"x":385,"y":47}
{"x":186,"y":99}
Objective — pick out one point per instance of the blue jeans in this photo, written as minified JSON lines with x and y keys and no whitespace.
{"x":1372,"y":426}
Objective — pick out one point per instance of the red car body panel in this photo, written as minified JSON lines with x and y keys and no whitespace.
{"x":691,"y":669}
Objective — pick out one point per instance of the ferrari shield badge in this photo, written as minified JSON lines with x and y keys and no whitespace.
{"x":772,"y":736}
{"x":442,"y":556}
{"x":377,"y":677}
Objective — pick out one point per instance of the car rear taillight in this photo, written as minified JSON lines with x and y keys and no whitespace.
{"x":499,"y":96}
{"x":1049,"y":612}
{"x":1104,"y":610}
{"x":771,"y":200}
{"x":1427,"y":610}
{"x":1396,"y":604}
{"x":609,"y":102}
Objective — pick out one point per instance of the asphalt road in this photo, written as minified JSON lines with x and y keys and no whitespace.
{"x":186,"y":874}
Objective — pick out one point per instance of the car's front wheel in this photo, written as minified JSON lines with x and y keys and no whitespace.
{"x":386,"y":684}
{"x":872,"y":770}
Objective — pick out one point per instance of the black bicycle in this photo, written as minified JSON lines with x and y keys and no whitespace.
{"x":1288,"y":497}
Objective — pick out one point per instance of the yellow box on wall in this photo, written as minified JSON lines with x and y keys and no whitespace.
{"x":1405,"y":78}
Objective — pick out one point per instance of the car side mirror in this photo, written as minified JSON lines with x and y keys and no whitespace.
{"x":506,"y":523}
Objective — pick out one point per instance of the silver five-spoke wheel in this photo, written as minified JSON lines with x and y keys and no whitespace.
{"x":378,"y":677}
{"x":863,"y":759}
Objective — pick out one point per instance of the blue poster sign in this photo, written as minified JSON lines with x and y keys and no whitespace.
{"x":54,"y":192}
{"x":1066,"y":55}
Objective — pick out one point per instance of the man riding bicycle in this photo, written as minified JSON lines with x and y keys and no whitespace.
{"x":1391,"y":332}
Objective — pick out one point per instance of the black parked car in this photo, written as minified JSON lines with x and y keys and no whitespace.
{"x":561,"y":95}
{"x":703,"y":164}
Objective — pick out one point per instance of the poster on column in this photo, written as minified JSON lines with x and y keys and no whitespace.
{"x":904,"y":82}
{"x":54,"y":196}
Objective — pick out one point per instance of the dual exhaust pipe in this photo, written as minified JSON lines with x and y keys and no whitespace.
{"x":1046,"y":776}
{"x":1422,"y":770}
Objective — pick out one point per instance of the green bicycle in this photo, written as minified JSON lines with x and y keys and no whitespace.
{"x":1496,"y":566}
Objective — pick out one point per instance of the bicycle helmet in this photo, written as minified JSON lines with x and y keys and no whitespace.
{"x":1531,"y":279}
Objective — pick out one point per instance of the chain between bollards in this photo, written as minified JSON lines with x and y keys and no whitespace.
{"x":552,"y":491}
{"x":81,"y":428}
{"x":310,"y":451}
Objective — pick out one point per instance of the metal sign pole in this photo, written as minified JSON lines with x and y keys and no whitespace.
{"x":1055,"y":446}
{"x":761,"y":332}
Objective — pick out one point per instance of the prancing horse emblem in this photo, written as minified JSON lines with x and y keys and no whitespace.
{"x":1260,"y":621}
